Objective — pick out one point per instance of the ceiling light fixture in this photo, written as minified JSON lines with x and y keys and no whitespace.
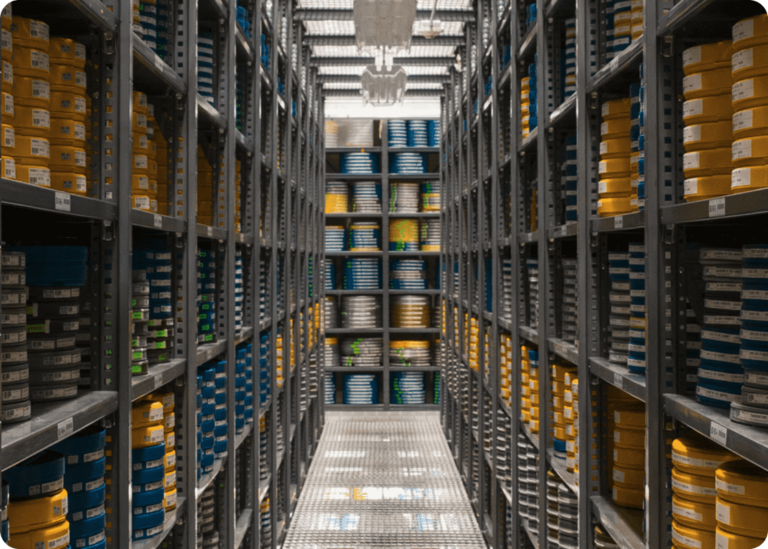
{"x":384,"y":24}
{"x":430,"y":29}
{"x":383,"y":87}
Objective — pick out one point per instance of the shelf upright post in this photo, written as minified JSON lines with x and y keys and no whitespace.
{"x":386,"y":320}
{"x":444,"y":255}
{"x":662,"y":312}
{"x":478,"y":256}
{"x":274,"y":236}
{"x":514,"y":256}
{"x":288,"y":281}
{"x":254,"y":268}
{"x":227,"y":85}
{"x":320,"y":162}
{"x":187,"y":185}
{"x":586,"y":317}
{"x":121,"y":270}
{"x":495,"y":217}
{"x":545,"y":303}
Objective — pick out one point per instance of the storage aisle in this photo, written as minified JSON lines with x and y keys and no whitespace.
{"x":382,"y":480}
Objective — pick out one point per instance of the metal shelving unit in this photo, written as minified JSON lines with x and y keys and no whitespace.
{"x":486,"y":162}
{"x":385,"y":177}
{"x":280,"y":213}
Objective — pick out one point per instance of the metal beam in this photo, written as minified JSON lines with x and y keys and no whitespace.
{"x":408,"y":93}
{"x":347,"y":61}
{"x":353,"y":79}
{"x":450,"y":16}
{"x":323,"y":40}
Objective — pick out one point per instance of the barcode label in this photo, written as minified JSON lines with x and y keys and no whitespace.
{"x":63,"y":202}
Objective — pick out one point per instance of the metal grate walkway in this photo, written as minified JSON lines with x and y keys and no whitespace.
{"x":383,"y":480}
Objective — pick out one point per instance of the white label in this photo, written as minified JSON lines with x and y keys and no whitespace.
{"x":692,"y":83}
{"x":618,"y":381}
{"x":7,"y":72}
{"x":723,"y":513}
{"x":79,"y":131}
{"x":618,"y":222}
{"x":9,"y":138}
{"x":210,"y":231}
{"x":159,"y":63}
{"x":39,"y":60}
{"x":718,"y":433}
{"x":684,"y":540}
{"x":743,"y":90}
{"x":742,"y":120}
{"x":693,"y":108}
{"x":743,"y":30}
{"x":691,"y":161}
{"x":618,"y":476}
{"x":691,"y":134}
{"x":63,"y":202}
{"x":80,"y":79}
{"x":40,"y":147}
{"x":80,"y":104}
{"x":691,"y":56}
{"x":717,"y":207}
{"x":729,"y":488}
{"x":690,"y":514}
{"x":741,"y":60}
{"x":65,"y":428}
{"x":7,"y":40}
{"x":721,"y":541}
{"x":158,"y":221}
{"x":740,"y":149}
{"x":691,"y":186}
{"x":741,"y":177}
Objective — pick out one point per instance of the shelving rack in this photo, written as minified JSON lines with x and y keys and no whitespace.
{"x":281,"y":211}
{"x":385,"y":178}
{"x":485,"y":162}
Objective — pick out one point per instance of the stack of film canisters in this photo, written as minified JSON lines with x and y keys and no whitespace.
{"x":360,"y":311}
{"x":360,"y":163}
{"x":265,"y":379}
{"x":362,"y":273}
{"x":206,"y":402}
{"x":532,"y":265}
{"x":206,"y":296}
{"x":405,"y":197}
{"x":361,"y":352}
{"x":205,"y":66}
{"x":570,"y":178}
{"x":397,"y":131}
{"x":431,"y":234}
{"x":620,"y":300}
{"x":434,"y":129}
{"x":752,"y":409}
{"x":366,"y":197}
{"x":636,"y":361}
{"x":365,"y":236}
{"x":361,"y":389}
{"x":139,"y":322}
{"x":407,"y":163}
{"x":721,"y":375}
{"x":332,"y":352}
{"x":15,"y":402}
{"x":238,"y":292}
{"x":334,"y":238}
{"x":148,"y":15}
{"x":207,"y":518}
{"x":331,"y":312}
{"x":330,"y":274}
{"x":418,"y":133}
{"x":408,"y":274}
{"x":330,"y":388}
{"x":570,"y":304}
{"x":407,"y":388}
{"x":55,"y":275}
{"x":84,"y":479}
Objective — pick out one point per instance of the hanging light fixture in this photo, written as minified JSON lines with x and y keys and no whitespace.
{"x":430,"y":29}
{"x":384,"y":24}
{"x":383,"y":87}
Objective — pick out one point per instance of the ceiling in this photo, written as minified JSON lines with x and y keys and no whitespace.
{"x":330,"y":31}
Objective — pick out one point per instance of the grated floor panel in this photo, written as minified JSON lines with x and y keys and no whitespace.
{"x":383,"y":480}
